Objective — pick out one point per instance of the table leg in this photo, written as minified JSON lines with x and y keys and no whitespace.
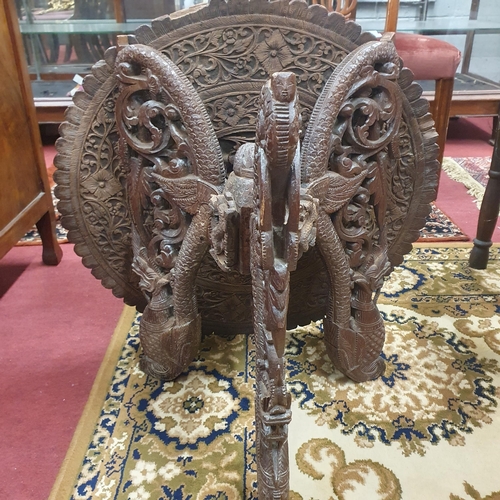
{"x":488,"y":214}
{"x":51,"y":251}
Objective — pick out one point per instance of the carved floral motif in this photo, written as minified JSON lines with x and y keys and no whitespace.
{"x":255,"y":52}
{"x":102,"y":195}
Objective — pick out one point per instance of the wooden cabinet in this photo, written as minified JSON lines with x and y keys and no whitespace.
{"x":25,"y":197}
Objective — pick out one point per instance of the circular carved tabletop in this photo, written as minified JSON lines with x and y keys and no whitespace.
{"x":228,"y":51}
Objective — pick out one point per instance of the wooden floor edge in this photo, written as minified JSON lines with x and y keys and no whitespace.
{"x":71,"y":465}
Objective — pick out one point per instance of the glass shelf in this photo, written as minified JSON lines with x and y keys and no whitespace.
{"x":83,"y":26}
{"x":66,"y":37}
{"x":436,"y":26}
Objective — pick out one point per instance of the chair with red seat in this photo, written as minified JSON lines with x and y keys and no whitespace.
{"x":428,"y":58}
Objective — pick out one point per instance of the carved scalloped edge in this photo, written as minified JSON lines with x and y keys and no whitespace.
{"x":426,"y":193}
{"x":298,"y":9}
{"x":83,"y":103}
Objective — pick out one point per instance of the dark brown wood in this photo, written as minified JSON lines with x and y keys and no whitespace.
{"x":488,"y":215}
{"x":25,"y":197}
{"x":195,"y":189}
{"x":187,"y":172}
{"x":274,"y":245}
{"x":354,"y":331}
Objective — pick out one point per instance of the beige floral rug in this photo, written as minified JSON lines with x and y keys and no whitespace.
{"x":471,"y":172}
{"x":429,"y":428}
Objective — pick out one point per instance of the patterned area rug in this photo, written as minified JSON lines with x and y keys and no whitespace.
{"x":439,"y":227}
{"x":427,"y":429}
{"x":477,"y":167}
{"x":32,"y":237}
{"x":471,"y":172}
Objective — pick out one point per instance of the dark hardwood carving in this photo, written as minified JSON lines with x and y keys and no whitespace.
{"x":274,"y":251}
{"x":250,"y":168}
{"x":356,"y":116}
{"x":170,"y":151}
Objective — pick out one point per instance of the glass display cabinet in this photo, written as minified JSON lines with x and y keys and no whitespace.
{"x":63,"y":38}
{"x":473,"y":26}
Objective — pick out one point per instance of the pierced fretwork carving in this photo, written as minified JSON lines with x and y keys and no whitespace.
{"x":243,"y":172}
{"x":175,"y":166}
{"x":356,"y":118}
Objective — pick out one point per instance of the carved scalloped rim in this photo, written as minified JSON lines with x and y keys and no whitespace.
{"x":104,"y":69}
{"x":298,"y":9}
{"x":84,"y":102}
{"x":420,"y":209}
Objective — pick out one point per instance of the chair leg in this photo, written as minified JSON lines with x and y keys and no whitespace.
{"x":488,"y":214}
{"x":441,"y":112}
{"x":52,"y":252}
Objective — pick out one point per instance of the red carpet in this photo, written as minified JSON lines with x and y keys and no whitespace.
{"x":466,"y":137}
{"x":56,"y":323}
{"x":469,"y":137}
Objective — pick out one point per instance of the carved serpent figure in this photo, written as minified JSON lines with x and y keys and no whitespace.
{"x":274,"y":253}
{"x":316,"y":186}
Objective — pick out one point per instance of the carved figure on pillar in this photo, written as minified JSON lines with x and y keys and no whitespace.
{"x":274,"y":254}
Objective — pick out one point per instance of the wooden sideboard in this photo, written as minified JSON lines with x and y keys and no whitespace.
{"x":25,"y":197}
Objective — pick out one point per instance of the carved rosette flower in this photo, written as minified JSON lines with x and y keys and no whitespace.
{"x":229,"y":36}
{"x":102,"y":185}
{"x":230,"y":110}
{"x":273,"y":53}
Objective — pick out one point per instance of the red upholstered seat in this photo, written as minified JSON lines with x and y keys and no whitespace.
{"x":428,"y":58}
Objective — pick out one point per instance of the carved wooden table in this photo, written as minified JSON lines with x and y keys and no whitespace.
{"x":249,"y":166}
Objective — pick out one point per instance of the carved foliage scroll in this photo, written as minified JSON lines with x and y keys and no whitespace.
{"x":174,"y":167}
{"x":345,"y":166}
